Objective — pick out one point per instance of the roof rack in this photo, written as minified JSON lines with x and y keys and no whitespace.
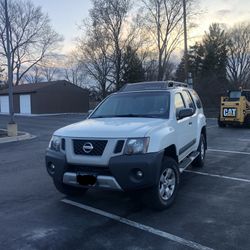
{"x":177,"y":84}
{"x":157,"y":85}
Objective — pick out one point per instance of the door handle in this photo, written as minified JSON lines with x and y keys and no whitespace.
{"x":190,"y":123}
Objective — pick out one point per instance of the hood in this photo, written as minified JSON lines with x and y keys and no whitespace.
{"x":111,"y":127}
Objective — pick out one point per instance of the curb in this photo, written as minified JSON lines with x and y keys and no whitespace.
{"x":23,"y":136}
{"x":41,"y":115}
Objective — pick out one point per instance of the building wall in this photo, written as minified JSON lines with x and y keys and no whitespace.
{"x":16,"y":103}
{"x":60,"y":98}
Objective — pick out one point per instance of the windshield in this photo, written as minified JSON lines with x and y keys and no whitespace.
{"x":235,"y":94}
{"x":146,"y":104}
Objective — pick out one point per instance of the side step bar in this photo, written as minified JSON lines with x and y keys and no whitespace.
{"x":187,"y":161}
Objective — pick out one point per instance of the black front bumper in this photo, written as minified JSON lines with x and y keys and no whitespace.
{"x":124,"y":168}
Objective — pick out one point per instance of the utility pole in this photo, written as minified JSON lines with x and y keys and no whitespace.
{"x":185,"y":40}
{"x":11,"y":127}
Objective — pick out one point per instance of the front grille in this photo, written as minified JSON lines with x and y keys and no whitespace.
{"x":98,"y":147}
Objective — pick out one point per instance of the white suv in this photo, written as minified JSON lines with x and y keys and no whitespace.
{"x":139,"y":139}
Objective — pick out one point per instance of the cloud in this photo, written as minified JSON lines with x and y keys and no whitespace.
{"x":223,"y":12}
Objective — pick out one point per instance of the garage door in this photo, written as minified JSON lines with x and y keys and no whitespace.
{"x":4,"y":104}
{"x":25,"y":104}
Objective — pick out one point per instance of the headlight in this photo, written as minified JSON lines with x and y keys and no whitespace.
{"x":137,"y":146}
{"x":55,"y":143}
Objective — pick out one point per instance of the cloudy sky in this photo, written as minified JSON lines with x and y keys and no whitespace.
{"x":65,"y":15}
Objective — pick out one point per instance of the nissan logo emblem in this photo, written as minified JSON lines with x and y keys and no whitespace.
{"x":87,"y":147}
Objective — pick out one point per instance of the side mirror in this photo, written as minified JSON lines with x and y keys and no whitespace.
{"x":90,"y":111}
{"x":185,"y":112}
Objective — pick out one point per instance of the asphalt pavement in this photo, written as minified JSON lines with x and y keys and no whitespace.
{"x":212,"y":209}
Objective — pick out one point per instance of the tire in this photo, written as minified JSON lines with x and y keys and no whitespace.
{"x":162,"y":195}
{"x":69,"y":190}
{"x":221,"y":124}
{"x":200,"y":159}
{"x":247,"y":121}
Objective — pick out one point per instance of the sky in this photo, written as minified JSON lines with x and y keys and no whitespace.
{"x":66,"y":15}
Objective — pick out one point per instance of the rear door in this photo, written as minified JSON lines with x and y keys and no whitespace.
{"x":193,"y":119}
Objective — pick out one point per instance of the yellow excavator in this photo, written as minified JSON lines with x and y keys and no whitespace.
{"x":235,"y":108}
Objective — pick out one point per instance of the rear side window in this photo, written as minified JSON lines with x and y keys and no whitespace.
{"x":179,"y":103}
{"x":196,"y":99}
{"x":188,"y":99}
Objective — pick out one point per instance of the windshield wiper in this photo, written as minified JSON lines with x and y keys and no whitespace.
{"x":126,"y":115}
{"x":100,"y":116}
{"x":133,"y":115}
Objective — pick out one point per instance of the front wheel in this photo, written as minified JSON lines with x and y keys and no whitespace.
{"x":162,"y":195}
{"x":221,"y":124}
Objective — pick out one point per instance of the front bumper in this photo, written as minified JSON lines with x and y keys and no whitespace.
{"x":120,"y":174}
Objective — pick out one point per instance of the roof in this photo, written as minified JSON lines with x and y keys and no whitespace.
{"x":154,"y":85}
{"x":32,"y":87}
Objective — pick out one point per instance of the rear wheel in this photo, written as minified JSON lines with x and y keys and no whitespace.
{"x":163,"y":194}
{"x":69,"y":190}
{"x":200,"y":159}
{"x":247,"y":121}
{"x":220,"y":123}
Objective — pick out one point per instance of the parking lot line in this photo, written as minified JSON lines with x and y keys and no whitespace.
{"x":212,"y":126}
{"x":137,"y":225}
{"x":228,"y":151}
{"x":218,"y":176}
{"x":245,"y":140}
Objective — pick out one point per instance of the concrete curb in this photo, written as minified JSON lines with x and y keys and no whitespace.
{"x":23,"y":136}
{"x":41,"y":115}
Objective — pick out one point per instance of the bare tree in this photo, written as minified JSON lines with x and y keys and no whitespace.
{"x":34,"y":75}
{"x":73,"y":69}
{"x":239,"y":55}
{"x":111,"y":16}
{"x":50,"y":67}
{"x":45,"y":70}
{"x":164,"y":21}
{"x":49,"y":72}
{"x":96,"y":56}
{"x":31,"y":36}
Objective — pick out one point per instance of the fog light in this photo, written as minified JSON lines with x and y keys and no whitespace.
{"x":51,"y":168}
{"x":139,"y":174}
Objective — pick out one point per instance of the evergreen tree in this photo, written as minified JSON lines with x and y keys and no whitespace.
{"x":215,"y":46}
{"x":213,"y":78}
{"x":180,"y":71}
{"x":207,"y":61}
{"x":133,"y":70}
{"x":195,"y":62}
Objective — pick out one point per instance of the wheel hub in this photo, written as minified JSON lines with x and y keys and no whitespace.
{"x":167,"y":183}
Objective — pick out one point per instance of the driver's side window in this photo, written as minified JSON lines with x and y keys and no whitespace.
{"x":179,"y":103}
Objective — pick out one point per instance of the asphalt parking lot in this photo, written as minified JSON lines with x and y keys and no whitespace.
{"x":212,"y":209}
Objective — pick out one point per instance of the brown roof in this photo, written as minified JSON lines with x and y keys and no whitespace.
{"x":31,"y":87}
